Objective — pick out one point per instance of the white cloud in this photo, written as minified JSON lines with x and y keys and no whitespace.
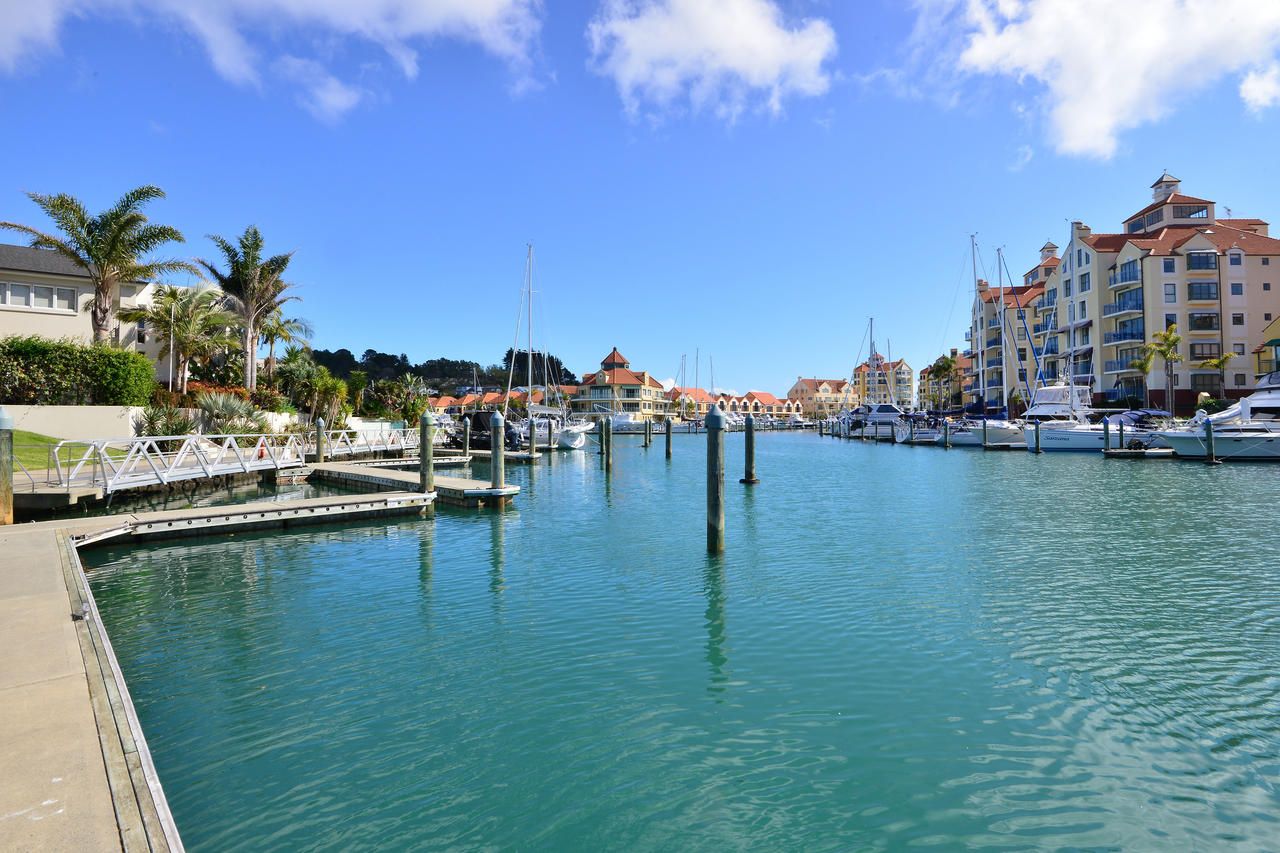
{"x":1025,"y":153}
{"x":715,"y":54}
{"x":323,"y":95}
{"x":1108,"y":66}
{"x":1261,"y":87}
{"x":505,"y":28}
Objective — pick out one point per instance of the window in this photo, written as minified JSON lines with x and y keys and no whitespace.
{"x":1082,"y":311}
{"x":1022,"y":354}
{"x":1170,"y":293}
{"x":1066,"y":287}
{"x":1207,"y":382}
{"x":1084,"y":337}
{"x":1238,"y":349}
{"x":41,"y":296}
{"x":1203,"y":351}
{"x":1237,"y":319}
{"x":20,"y":294}
{"x":1022,"y":374}
{"x":1071,"y":313}
{"x":1079,"y":257}
{"x":1266,"y":285}
{"x":1084,"y":282}
{"x":1129,"y":271}
{"x":1191,"y":211}
{"x":1204,"y":322}
{"x":1154,"y":216}
{"x":4,"y":293}
{"x":1169,"y":265}
{"x":1202,"y":290}
{"x":1266,"y":262}
{"x":1239,"y":379}
{"x":1022,"y":334}
{"x":1267,"y":317}
{"x":1170,"y":320}
{"x":1135,"y":225}
{"x":1202,"y":261}
{"x":142,"y":331}
{"x":1237,"y":288}
{"x":1236,"y":259}
{"x":1177,"y":380}
{"x":66,"y":299}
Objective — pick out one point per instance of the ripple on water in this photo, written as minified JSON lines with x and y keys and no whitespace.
{"x":900,"y":647}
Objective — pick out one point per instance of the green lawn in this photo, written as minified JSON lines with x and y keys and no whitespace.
{"x":32,"y":448}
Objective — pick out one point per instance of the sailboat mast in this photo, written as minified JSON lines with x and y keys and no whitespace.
{"x":529,"y":333}
{"x":1004,"y":344}
{"x":982,"y":331}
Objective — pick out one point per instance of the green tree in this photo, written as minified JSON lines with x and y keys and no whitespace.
{"x":1144,"y":364}
{"x":357,"y":384}
{"x":1165,"y":346}
{"x":111,"y":247}
{"x":254,"y":287}
{"x":276,"y":328}
{"x":1219,"y":363}
{"x":191,"y":319}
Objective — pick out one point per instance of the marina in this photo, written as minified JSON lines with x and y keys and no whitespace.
{"x":594,"y":672}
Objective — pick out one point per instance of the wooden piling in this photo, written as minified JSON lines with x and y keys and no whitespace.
{"x":946,"y":435}
{"x":497,"y":452}
{"x":749,"y":472}
{"x":715,"y":480}
{"x":1121,"y":427}
{"x":648,"y":433}
{"x":466,"y":436}
{"x":319,"y":439}
{"x":533,"y":437}
{"x":1106,"y":434}
{"x":669,"y":430}
{"x":426,"y":453}
{"x":1037,"y":436}
{"x":6,"y":468}
{"x":608,"y":445}
{"x":984,"y":433}
{"x":1210,"y":455}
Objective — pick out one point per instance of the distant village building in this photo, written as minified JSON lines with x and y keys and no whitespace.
{"x":880,"y":381}
{"x":615,"y":387}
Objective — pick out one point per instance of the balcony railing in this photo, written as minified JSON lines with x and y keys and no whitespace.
{"x":1119,"y":336}
{"x":968,"y":334}
{"x":994,"y":362}
{"x":1123,"y":305}
{"x":994,"y":382}
{"x":1266,"y":365}
{"x":993,"y":341}
{"x":1046,"y":326}
{"x":1118,"y":365}
{"x":1051,"y":348}
{"x":1202,"y":291}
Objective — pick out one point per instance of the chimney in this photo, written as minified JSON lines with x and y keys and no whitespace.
{"x":1079,"y":229}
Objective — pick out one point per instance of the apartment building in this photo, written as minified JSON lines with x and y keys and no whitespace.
{"x":43,"y":293}
{"x":615,"y":387}
{"x":1007,"y":339}
{"x":823,"y":398}
{"x":878,"y":380}
{"x":941,"y":390}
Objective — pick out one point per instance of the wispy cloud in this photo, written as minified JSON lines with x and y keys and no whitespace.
{"x":717,"y":55}
{"x":1097,"y":67}
{"x":321,"y":94}
{"x":1025,"y":153}
{"x":230,"y":32}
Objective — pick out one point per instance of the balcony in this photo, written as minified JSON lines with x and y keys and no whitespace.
{"x":1124,"y":305}
{"x":1046,"y":326}
{"x":994,"y":362}
{"x":968,"y":334}
{"x":994,"y":382}
{"x":1121,"y":365}
{"x":993,"y":341}
{"x":1051,"y":348}
{"x":1132,"y":333}
{"x":1202,"y":291}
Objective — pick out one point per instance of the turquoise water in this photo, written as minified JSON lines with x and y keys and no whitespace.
{"x":900,"y":647}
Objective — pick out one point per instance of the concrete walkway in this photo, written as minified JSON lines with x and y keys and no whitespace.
{"x":75,"y":773}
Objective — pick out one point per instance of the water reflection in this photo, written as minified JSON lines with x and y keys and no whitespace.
{"x":426,"y":569}
{"x":497,"y":555}
{"x":714,"y":620}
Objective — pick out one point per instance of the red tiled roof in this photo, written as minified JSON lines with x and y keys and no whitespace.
{"x":621,"y":376}
{"x":764,"y":398}
{"x":697,"y":395}
{"x":1106,"y":242}
{"x":1223,"y":237}
{"x":614,"y":357}
{"x":1176,"y":198}
{"x":812,"y":384}
{"x":1048,"y":262}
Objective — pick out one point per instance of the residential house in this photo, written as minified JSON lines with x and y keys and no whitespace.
{"x":822,"y":398}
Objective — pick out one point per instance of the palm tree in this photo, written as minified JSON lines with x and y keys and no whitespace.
{"x":943,"y":371}
{"x":357,"y":383}
{"x":1219,"y":364}
{"x":254,"y":289}
{"x":192,"y":319}
{"x":1165,"y":345}
{"x":110,"y":247}
{"x":277,"y":329}
{"x":1144,"y":364}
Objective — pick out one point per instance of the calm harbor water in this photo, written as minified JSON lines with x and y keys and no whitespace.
{"x":901,"y":646}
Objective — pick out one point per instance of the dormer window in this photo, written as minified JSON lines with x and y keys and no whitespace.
{"x":1190,"y":211}
{"x":1236,"y":259}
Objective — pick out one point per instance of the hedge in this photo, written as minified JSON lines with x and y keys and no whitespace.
{"x":37,"y":371}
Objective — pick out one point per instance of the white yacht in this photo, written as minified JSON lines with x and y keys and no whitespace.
{"x":627,"y":422}
{"x":967,"y":432}
{"x":1061,"y":410}
{"x":1249,"y":430}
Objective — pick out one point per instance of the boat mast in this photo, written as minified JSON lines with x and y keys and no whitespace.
{"x":529,"y":336}
{"x":982,"y":330}
{"x":1004,"y":343}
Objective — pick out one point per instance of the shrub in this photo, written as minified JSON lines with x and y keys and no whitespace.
{"x":36,"y":371}
{"x":195,"y":389}
{"x":228,"y":414}
{"x":164,"y":420}
{"x":268,"y":400}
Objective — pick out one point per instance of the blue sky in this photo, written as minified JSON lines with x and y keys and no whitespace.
{"x":748,"y":178}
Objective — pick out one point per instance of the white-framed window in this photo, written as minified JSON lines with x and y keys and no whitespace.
{"x":1238,"y":348}
{"x":40,"y":296}
{"x":1170,"y":293}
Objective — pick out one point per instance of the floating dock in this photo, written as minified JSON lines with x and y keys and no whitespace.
{"x":454,"y":491}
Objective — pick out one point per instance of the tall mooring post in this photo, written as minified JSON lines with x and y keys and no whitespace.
{"x":497,"y":452}
{"x":466,"y":436}
{"x":6,"y":467}
{"x":608,"y":445}
{"x":749,"y":470}
{"x":1120,"y":427}
{"x":648,"y":433}
{"x":319,"y":439}
{"x":670,"y":429}
{"x":1037,"y":436}
{"x":1106,"y":434}
{"x":426,"y":453}
{"x":533,"y":438}
{"x":946,"y":434}
{"x":984,"y":433}
{"x":1210,"y":454}
{"x":715,"y":480}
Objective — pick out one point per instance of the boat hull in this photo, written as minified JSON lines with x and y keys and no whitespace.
{"x":1253,"y":446}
